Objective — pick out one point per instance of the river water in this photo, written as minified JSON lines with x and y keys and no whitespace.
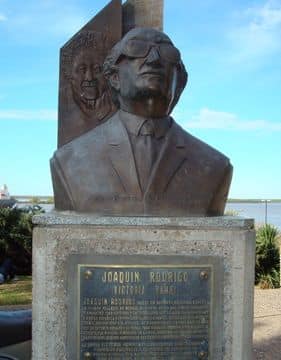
{"x":249,"y":210}
{"x":257,"y":211}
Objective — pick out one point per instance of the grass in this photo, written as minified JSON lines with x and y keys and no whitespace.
{"x":16,"y":292}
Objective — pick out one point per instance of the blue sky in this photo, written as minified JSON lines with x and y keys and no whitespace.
{"x":231,"y":49}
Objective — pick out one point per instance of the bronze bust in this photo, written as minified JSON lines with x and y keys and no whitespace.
{"x":140,"y":162}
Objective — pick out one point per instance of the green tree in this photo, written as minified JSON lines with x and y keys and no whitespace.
{"x":267,"y":269}
{"x":16,"y":236}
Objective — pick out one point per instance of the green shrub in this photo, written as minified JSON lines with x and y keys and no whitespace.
{"x":267,"y":269}
{"x":16,"y":236}
{"x":270,"y":281}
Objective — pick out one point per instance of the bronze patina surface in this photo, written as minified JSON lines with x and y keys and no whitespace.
{"x":142,"y":13}
{"x":131,"y":308}
{"x":84,"y":97}
{"x":140,"y":162}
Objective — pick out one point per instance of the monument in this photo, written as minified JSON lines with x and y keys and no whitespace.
{"x":137,"y":261}
{"x":140,"y":161}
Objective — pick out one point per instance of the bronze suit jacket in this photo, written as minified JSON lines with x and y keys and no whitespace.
{"x":97,"y":173}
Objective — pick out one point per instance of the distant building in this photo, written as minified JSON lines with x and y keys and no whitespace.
{"x":5,"y":198}
{"x":4,"y":192}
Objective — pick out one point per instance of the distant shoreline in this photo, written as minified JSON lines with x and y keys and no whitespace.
{"x":47,"y":200}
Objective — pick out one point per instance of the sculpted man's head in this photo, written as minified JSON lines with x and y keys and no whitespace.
{"x":83,"y":68}
{"x":145,"y":73}
{"x":87,"y":81}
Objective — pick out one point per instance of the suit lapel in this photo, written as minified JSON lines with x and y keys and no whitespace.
{"x":122,"y":158}
{"x":171,"y":158}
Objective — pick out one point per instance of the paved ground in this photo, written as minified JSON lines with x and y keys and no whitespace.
{"x":20,"y":351}
{"x":267,"y":328}
{"x":267,"y":325}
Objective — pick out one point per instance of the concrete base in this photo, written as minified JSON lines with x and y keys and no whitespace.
{"x":58,"y":235}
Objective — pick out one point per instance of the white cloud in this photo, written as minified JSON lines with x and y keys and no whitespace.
{"x":205,"y":119}
{"x":258,"y":32}
{"x":42,"y":20}
{"x":211,"y":119}
{"x":2,"y":17}
{"x":12,"y":114}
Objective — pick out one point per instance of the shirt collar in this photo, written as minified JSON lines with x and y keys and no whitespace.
{"x":133,"y":123}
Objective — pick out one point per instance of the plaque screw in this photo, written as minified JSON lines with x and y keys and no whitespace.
{"x":87,"y":355}
{"x":204,"y":275}
{"x":202,"y":355}
{"x":88,"y":274}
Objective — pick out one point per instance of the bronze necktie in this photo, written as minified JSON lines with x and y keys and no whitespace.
{"x":146,"y":152}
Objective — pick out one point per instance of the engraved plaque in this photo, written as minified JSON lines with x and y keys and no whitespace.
{"x":145,"y":311}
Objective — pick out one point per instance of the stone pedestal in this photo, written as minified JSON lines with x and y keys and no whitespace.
{"x":58,"y":236}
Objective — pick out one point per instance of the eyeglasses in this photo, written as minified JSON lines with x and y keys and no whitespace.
{"x":139,"y":49}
